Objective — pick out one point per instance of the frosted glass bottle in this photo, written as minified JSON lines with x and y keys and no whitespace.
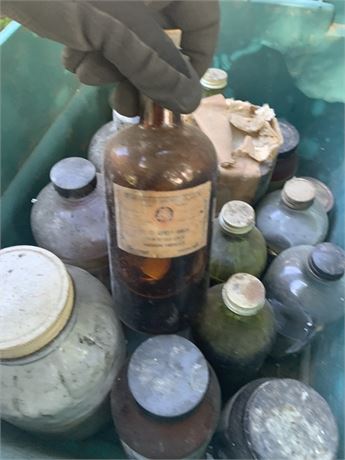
{"x":237,"y":245}
{"x":166,"y":401}
{"x":68,"y":217}
{"x":98,"y":143}
{"x":307,"y":279}
{"x":235,"y":330}
{"x":291,"y":216}
{"x":61,"y":345}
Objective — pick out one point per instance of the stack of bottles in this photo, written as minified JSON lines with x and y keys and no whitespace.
{"x":190,"y":374}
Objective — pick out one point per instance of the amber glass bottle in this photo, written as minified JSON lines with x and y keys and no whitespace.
{"x":160,"y":183}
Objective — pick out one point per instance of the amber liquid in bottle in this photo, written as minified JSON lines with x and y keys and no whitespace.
{"x":160,"y":182}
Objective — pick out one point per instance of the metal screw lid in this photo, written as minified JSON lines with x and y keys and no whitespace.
{"x":291,"y":138}
{"x":244,"y":294}
{"x":36,"y":299}
{"x":327,"y":261}
{"x":237,"y":217}
{"x":298,"y":193}
{"x":168,"y":375}
{"x":73,"y":177}
{"x":214,"y":79}
{"x":323,"y":193}
{"x":286,"y":419}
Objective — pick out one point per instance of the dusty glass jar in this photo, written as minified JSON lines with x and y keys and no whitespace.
{"x":237,"y":245}
{"x":68,"y":217}
{"x":235,"y":330}
{"x":214,"y":82}
{"x":61,"y":345}
{"x":98,"y":143}
{"x":291,"y":216}
{"x":166,"y":400}
{"x":323,"y":194}
{"x":160,"y":179}
{"x":311,"y":279}
{"x":277,"y":419}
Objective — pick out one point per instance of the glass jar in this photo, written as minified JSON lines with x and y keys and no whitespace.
{"x":237,"y":245}
{"x":98,"y":143}
{"x":166,"y":400}
{"x":311,"y":279}
{"x":277,"y":419}
{"x":291,"y":216}
{"x":68,"y":216}
{"x":214,"y":82}
{"x":160,"y":181}
{"x":287,"y":159}
{"x":61,"y":345}
{"x":235,"y":330}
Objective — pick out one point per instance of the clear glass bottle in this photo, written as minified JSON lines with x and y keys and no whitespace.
{"x":237,"y":245}
{"x":166,"y":400}
{"x":160,"y":182}
{"x":277,"y":419}
{"x":98,"y":143}
{"x":69,"y":216}
{"x":235,"y":330}
{"x":291,"y":216}
{"x":311,"y":279}
{"x":61,"y":345}
{"x":214,"y":82}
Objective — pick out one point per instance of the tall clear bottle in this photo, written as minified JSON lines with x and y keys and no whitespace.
{"x":160,"y":185}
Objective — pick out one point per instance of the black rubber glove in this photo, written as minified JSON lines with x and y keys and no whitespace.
{"x":110,"y":41}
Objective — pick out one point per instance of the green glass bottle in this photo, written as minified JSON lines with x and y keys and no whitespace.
{"x":235,"y":330}
{"x":237,"y":245}
{"x":214,"y":82}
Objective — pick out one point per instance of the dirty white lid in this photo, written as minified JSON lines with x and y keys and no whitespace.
{"x":36,"y":299}
{"x":237,"y":217}
{"x":244,"y":294}
{"x":214,"y":79}
{"x":298,"y":193}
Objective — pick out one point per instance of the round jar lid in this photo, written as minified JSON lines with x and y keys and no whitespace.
{"x":287,"y":419}
{"x":73,"y":177}
{"x":298,"y":193}
{"x":168,"y":375}
{"x":323,"y":193}
{"x":214,"y":79}
{"x":327,"y":261}
{"x":291,"y":137}
{"x":237,"y":217}
{"x":244,"y":294}
{"x":36,"y":299}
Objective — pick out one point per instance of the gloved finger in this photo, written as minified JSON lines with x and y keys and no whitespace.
{"x":90,"y":67}
{"x":125,"y":99}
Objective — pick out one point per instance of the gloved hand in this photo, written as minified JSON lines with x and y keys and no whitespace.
{"x":108,"y":41}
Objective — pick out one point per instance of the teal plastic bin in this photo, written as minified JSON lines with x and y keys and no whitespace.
{"x":287,"y":53}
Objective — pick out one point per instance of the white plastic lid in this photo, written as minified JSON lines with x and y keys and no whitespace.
{"x":129,"y":120}
{"x":214,"y":79}
{"x":298,"y":193}
{"x":244,"y":294}
{"x":237,"y":217}
{"x":36,"y":299}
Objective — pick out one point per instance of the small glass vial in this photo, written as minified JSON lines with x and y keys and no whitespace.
{"x":214,"y":82}
{"x":166,"y":400}
{"x":310,"y":278}
{"x":68,"y":217}
{"x":291,"y":216}
{"x":237,"y":245}
{"x":277,"y":419}
{"x":96,"y":150}
{"x":287,"y":160}
{"x":61,"y":345}
{"x":235,"y":330}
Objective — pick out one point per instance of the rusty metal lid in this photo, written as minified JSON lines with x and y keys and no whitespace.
{"x":237,"y":217}
{"x":298,"y":193}
{"x":244,"y":294}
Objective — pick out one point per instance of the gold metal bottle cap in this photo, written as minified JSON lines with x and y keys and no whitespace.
{"x":298,"y":193}
{"x":214,"y":79}
{"x":244,"y":294}
{"x":237,"y":217}
{"x":36,"y":301}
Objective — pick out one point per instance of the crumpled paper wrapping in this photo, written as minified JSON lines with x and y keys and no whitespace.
{"x":247,"y":139}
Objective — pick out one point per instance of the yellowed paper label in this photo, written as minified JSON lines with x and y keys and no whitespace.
{"x":162,"y":224}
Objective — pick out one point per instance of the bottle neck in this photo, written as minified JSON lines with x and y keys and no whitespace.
{"x":153,"y":115}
